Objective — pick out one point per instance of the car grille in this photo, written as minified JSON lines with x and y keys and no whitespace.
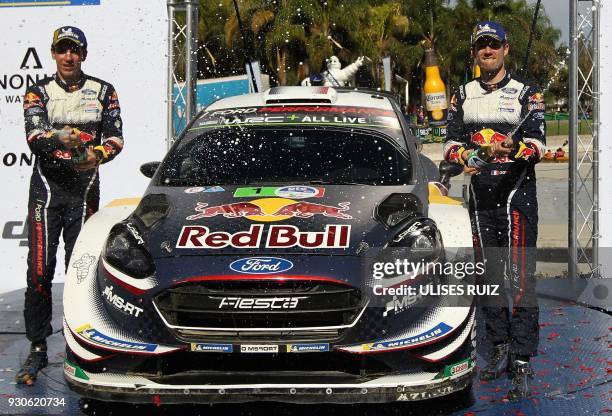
{"x":263,"y":309}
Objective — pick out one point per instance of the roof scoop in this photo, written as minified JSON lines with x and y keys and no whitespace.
{"x":301,"y":95}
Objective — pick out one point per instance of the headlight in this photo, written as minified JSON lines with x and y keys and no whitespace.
{"x":125,"y":250}
{"x":422,"y":239}
{"x":397,"y":208}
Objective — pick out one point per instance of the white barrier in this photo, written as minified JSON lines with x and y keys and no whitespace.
{"x":127,"y":45}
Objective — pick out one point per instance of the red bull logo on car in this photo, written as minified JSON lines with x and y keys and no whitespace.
{"x":278,"y":236}
{"x":271,"y":209}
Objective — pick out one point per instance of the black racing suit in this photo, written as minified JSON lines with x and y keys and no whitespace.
{"x":503,"y":202}
{"x":61,"y":197}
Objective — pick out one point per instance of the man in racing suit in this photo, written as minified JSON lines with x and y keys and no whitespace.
{"x":72,"y":124}
{"x":496,"y":130}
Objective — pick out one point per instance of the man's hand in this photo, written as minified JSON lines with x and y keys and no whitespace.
{"x":503,"y":148}
{"x":90,"y":163}
{"x":470,"y":171}
{"x":68,"y":137}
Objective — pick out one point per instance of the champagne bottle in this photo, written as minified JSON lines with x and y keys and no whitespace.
{"x":481,"y":156}
{"x":435,"y":90}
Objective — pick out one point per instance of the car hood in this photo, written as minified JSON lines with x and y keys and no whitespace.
{"x":234,"y":220}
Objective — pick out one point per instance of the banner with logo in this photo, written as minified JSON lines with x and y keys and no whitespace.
{"x":127,"y":46}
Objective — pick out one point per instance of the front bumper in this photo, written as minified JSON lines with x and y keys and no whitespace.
{"x":136,"y":389}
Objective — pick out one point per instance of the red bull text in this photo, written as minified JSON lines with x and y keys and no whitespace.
{"x":278,"y":236}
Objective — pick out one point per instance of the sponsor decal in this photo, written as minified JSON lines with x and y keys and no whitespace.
{"x":259,"y":348}
{"x":197,"y":189}
{"x":308,"y":348}
{"x":485,"y":28}
{"x":487,"y":136}
{"x":279,"y":236}
{"x":99,"y":338}
{"x":261,"y":265}
{"x":327,"y":109}
{"x":250,"y":303}
{"x":455,"y":153}
{"x":135,"y":233}
{"x":271,"y":209}
{"x":400,"y":305}
{"x":538,"y":97}
{"x":31,"y":100}
{"x":300,"y":115}
{"x":506,"y":110}
{"x":214,"y":189}
{"x":497,"y":172}
{"x":433,"y":333}
{"x":113,"y":102}
{"x":33,"y":111}
{"x":229,"y":112}
{"x":428,"y":394}
{"x":536,"y":107}
{"x":293,"y":191}
{"x":509,"y":90}
{"x":88,"y":91}
{"x":119,"y":303}
{"x":198,"y":347}
{"x":165,"y":245}
{"x":194,"y":190}
{"x":456,"y":369}
{"x":74,"y":370}
{"x":524,"y":152}
{"x":83,"y":265}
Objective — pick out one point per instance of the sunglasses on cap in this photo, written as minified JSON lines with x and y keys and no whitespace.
{"x":485,"y":41}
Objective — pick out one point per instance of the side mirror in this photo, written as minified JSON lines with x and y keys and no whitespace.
{"x":148,"y":169}
{"x":448,"y":170}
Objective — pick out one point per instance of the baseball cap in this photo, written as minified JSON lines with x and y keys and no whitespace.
{"x":71,"y":33}
{"x":489,"y":28}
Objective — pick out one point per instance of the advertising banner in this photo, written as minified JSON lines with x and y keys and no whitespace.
{"x":127,"y":48}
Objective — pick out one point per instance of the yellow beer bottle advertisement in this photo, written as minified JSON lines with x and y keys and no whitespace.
{"x":435,"y":90}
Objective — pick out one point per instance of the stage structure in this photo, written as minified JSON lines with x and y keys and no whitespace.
{"x":584,"y":94}
{"x":182,"y":61}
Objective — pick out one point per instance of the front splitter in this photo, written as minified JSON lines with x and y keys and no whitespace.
{"x":369,"y":392}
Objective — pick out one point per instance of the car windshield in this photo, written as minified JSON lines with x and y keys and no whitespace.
{"x":233,"y":155}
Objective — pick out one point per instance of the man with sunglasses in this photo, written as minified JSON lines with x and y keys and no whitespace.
{"x":73,"y":124}
{"x":496,"y":130}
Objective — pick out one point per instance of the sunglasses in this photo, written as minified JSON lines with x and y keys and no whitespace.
{"x":490,"y":42}
{"x":64,"y":47}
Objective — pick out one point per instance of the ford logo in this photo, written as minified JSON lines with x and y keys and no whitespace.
{"x":261,"y":265}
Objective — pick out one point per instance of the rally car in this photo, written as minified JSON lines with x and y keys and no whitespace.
{"x":263,"y":263}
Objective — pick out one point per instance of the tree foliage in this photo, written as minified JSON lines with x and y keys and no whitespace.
{"x":294,"y":37}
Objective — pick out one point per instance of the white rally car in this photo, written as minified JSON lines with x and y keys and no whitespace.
{"x":248,"y":270}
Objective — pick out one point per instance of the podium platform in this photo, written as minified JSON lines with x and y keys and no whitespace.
{"x":573,"y":373}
